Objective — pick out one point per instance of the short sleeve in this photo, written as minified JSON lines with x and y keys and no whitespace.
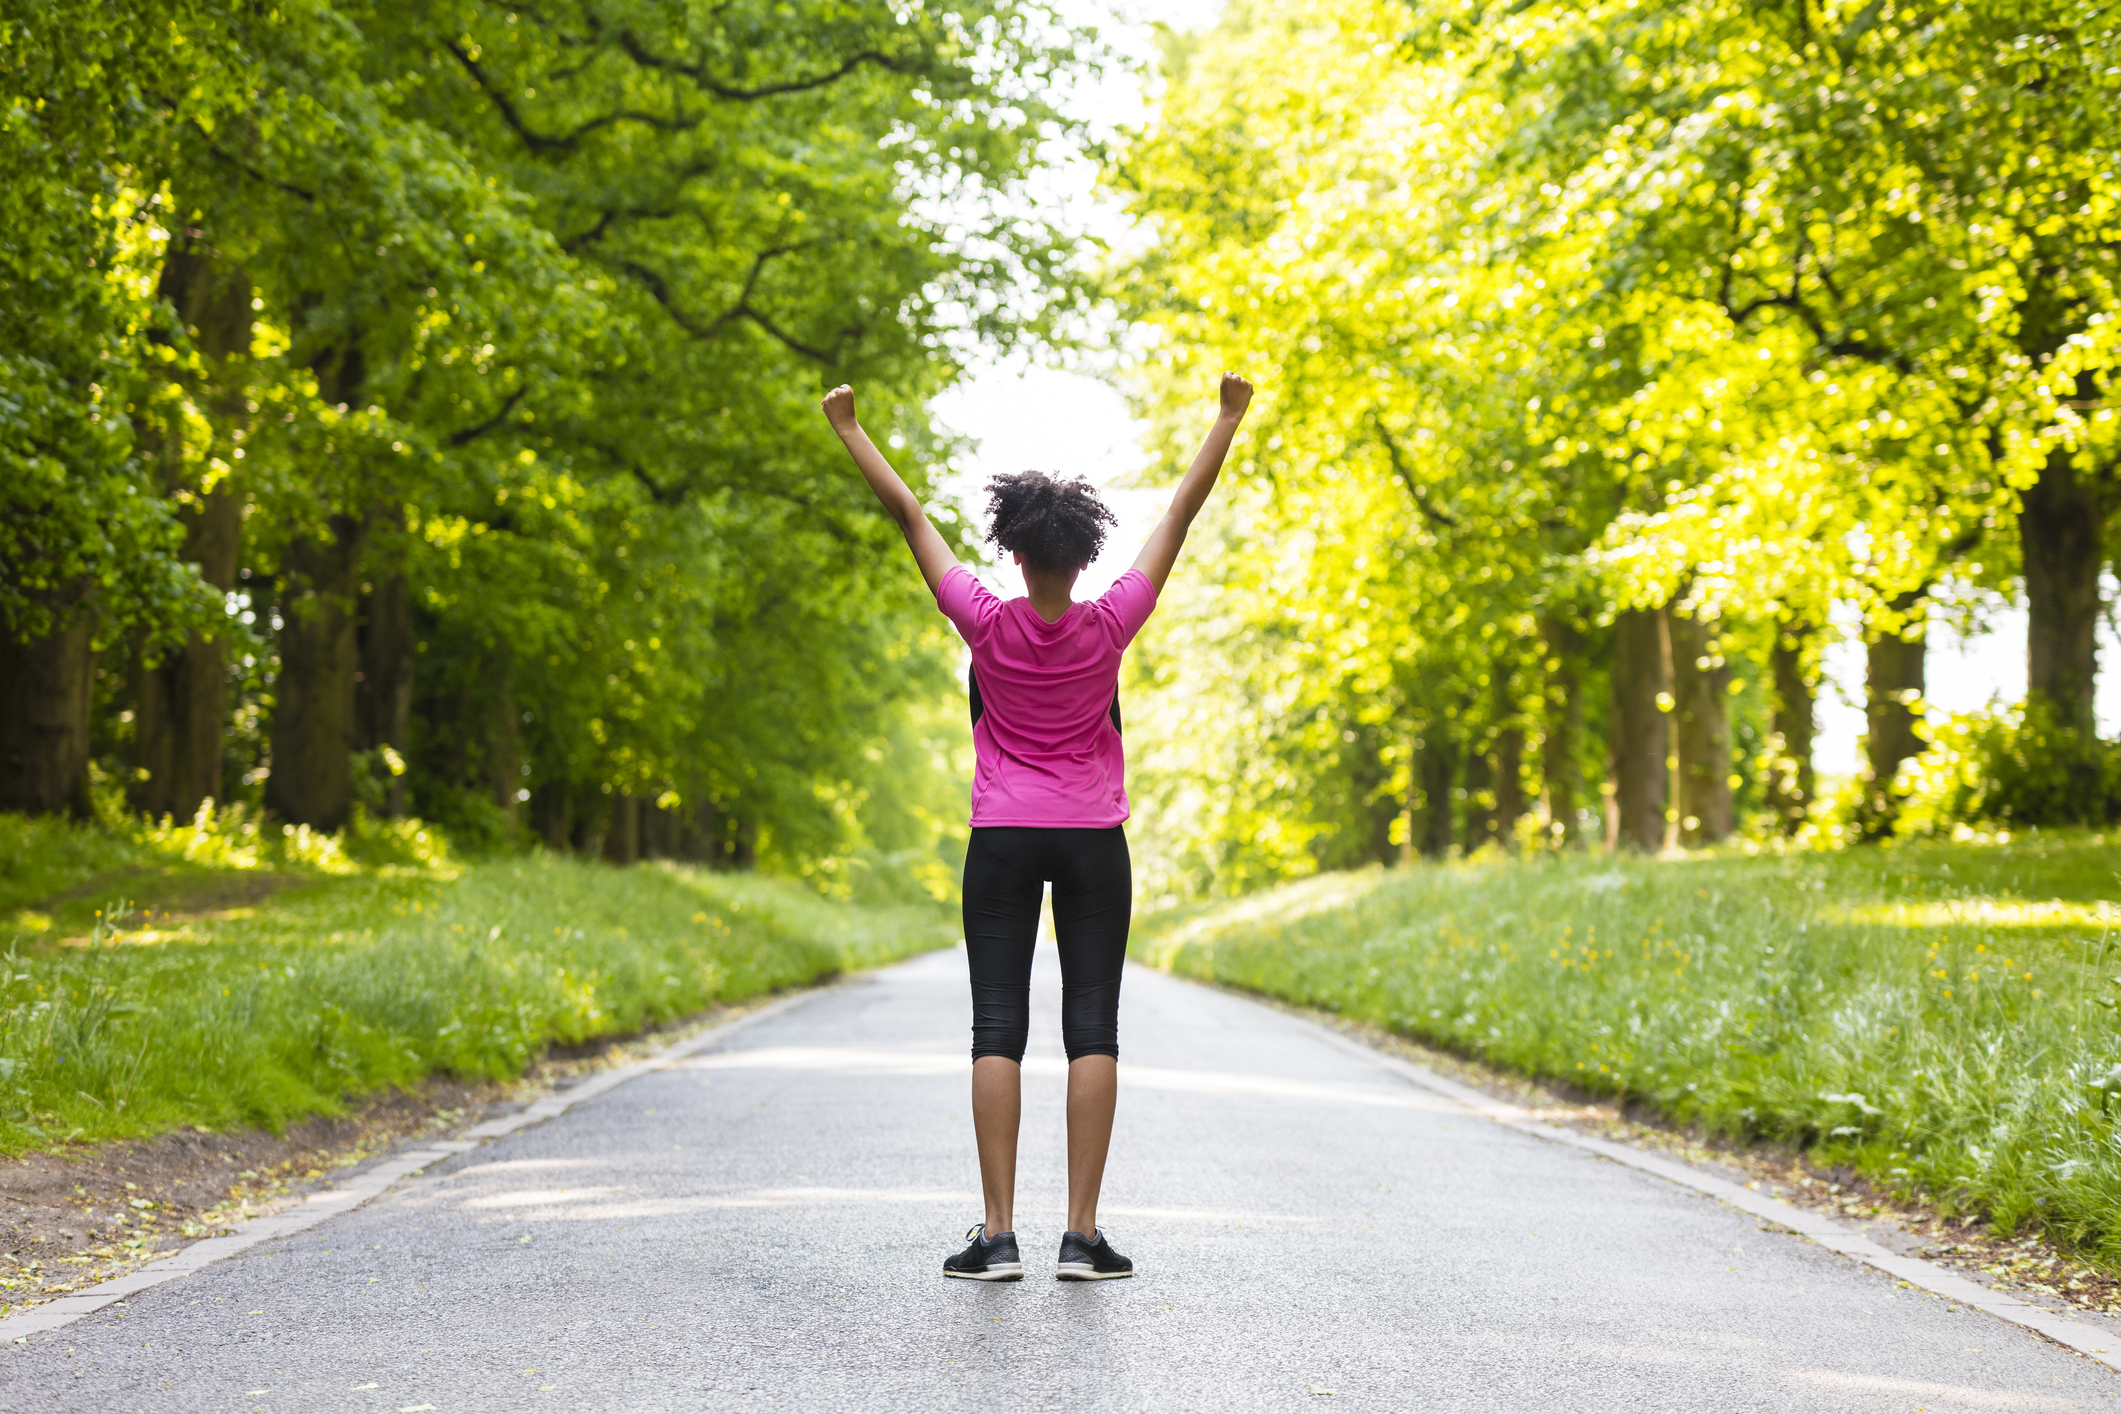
{"x":1129,"y":602}
{"x":965,"y":601}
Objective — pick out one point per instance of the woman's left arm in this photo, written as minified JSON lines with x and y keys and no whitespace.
{"x":1161,"y":551}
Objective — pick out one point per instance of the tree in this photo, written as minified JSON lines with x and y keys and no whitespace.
{"x":180,"y":693}
{"x":496,"y":335}
{"x":1720,"y":316}
{"x":87,"y":546}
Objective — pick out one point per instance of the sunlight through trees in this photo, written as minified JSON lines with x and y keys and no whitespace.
{"x":1612,"y":357}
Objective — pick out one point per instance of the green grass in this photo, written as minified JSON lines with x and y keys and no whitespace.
{"x":274,"y":976}
{"x":1940,"y":1016}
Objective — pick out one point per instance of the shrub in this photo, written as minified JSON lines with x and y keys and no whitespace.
{"x":2016,"y":767}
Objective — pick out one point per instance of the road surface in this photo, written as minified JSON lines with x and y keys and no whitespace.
{"x":762,"y":1227}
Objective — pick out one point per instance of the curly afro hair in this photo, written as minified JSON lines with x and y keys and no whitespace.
{"x":1053,"y":524}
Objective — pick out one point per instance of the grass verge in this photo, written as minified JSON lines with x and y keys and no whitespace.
{"x":1939,"y":1017}
{"x":344,"y":966}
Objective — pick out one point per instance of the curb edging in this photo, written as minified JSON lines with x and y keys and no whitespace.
{"x":1837,"y":1237}
{"x":60,"y":1311}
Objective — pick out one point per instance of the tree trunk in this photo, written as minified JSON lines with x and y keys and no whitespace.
{"x":1437,"y":759}
{"x":1509,"y":785}
{"x":1410,"y":804}
{"x":1370,"y":775}
{"x":211,"y":297}
{"x":1790,"y":777}
{"x":313,"y":731}
{"x":1641,"y":728}
{"x":622,"y":838}
{"x":2058,"y":533}
{"x":1560,"y":753}
{"x":1893,"y":679}
{"x":153,"y":788}
{"x":1609,"y":804}
{"x":659,"y":831}
{"x":550,"y":818}
{"x":744,"y":846}
{"x":1495,"y":779}
{"x":589,"y":827}
{"x":1701,"y":694}
{"x":313,"y":721}
{"x":44,"y":705}
{"x":383,"y":685}
{"x":699,"y":838}
{"x":504,"y":751}
{"x":181,"y":703}
{"x":1479,"y":822}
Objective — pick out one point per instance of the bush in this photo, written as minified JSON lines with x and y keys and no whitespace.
{"x":2014,"y":768}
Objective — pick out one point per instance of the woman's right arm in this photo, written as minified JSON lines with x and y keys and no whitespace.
{"x":930,"y":551}
{"x":1161,"y":551}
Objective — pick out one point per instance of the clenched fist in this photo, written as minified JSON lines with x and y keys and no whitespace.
{"x":1237,"y":396}
{"x":839,"y":407}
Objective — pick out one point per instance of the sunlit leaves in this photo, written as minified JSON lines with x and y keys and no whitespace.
{"x":1565,"y":308}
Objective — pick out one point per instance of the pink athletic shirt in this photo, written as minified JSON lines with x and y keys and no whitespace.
{"x":1047,"y":751}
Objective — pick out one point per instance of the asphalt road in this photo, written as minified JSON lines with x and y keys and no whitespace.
{"x":763,"y":1228}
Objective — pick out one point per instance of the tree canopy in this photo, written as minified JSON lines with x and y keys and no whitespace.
{"x":413,"y":411}
{"x":422,"y":403}
{"x":1620,"y":354}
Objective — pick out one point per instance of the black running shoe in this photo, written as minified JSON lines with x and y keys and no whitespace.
{"x":1091,"y":1259}
{"x":987,"y":1259}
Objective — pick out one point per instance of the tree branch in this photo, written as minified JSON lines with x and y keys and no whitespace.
{"x":642,"y":55}
{"x":1793,"y":300}
{"x":1429,"y":513}
{"x":535,"y":141}
{"x":793,"y":345}
{"x":673,"y":494}
{"x":659,"y":289}
{"x":647,"y":59}
{"x":473,"y":434}
{"x":247,"y":170}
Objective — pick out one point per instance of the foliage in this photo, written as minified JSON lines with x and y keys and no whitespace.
{"x":79,"y":519}
{"x":361,"y":976}
{"x":541,"y":302}
{"x":1763,"y":314}
{"x":2018,"y":767}
{"x":1937,"y":1015}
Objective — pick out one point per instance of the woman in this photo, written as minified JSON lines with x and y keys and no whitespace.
{"x":1049,"y":803}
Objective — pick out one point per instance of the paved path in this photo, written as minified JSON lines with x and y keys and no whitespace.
{"x":762,"y":1228}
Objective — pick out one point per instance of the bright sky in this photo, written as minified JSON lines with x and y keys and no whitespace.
{"x":1026,"y":416}
{"x":1029,"y":416}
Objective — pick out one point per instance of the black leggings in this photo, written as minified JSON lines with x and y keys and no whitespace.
{"x":1006,"y":870}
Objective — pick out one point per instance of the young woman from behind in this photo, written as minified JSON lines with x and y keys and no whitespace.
{"x":1049,"y":805}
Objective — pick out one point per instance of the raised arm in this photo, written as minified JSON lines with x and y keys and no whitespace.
{"x":1161,"y":551}
{"x":930,"y":551}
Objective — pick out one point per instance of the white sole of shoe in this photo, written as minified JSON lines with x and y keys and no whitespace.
{"x":1083,"y":1271}
{"x":999,"y":1271}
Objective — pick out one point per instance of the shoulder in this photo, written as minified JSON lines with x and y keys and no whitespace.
{"x":961,"y":595}
{"x":1132,"y":587}
{"x":1129,"y":601}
